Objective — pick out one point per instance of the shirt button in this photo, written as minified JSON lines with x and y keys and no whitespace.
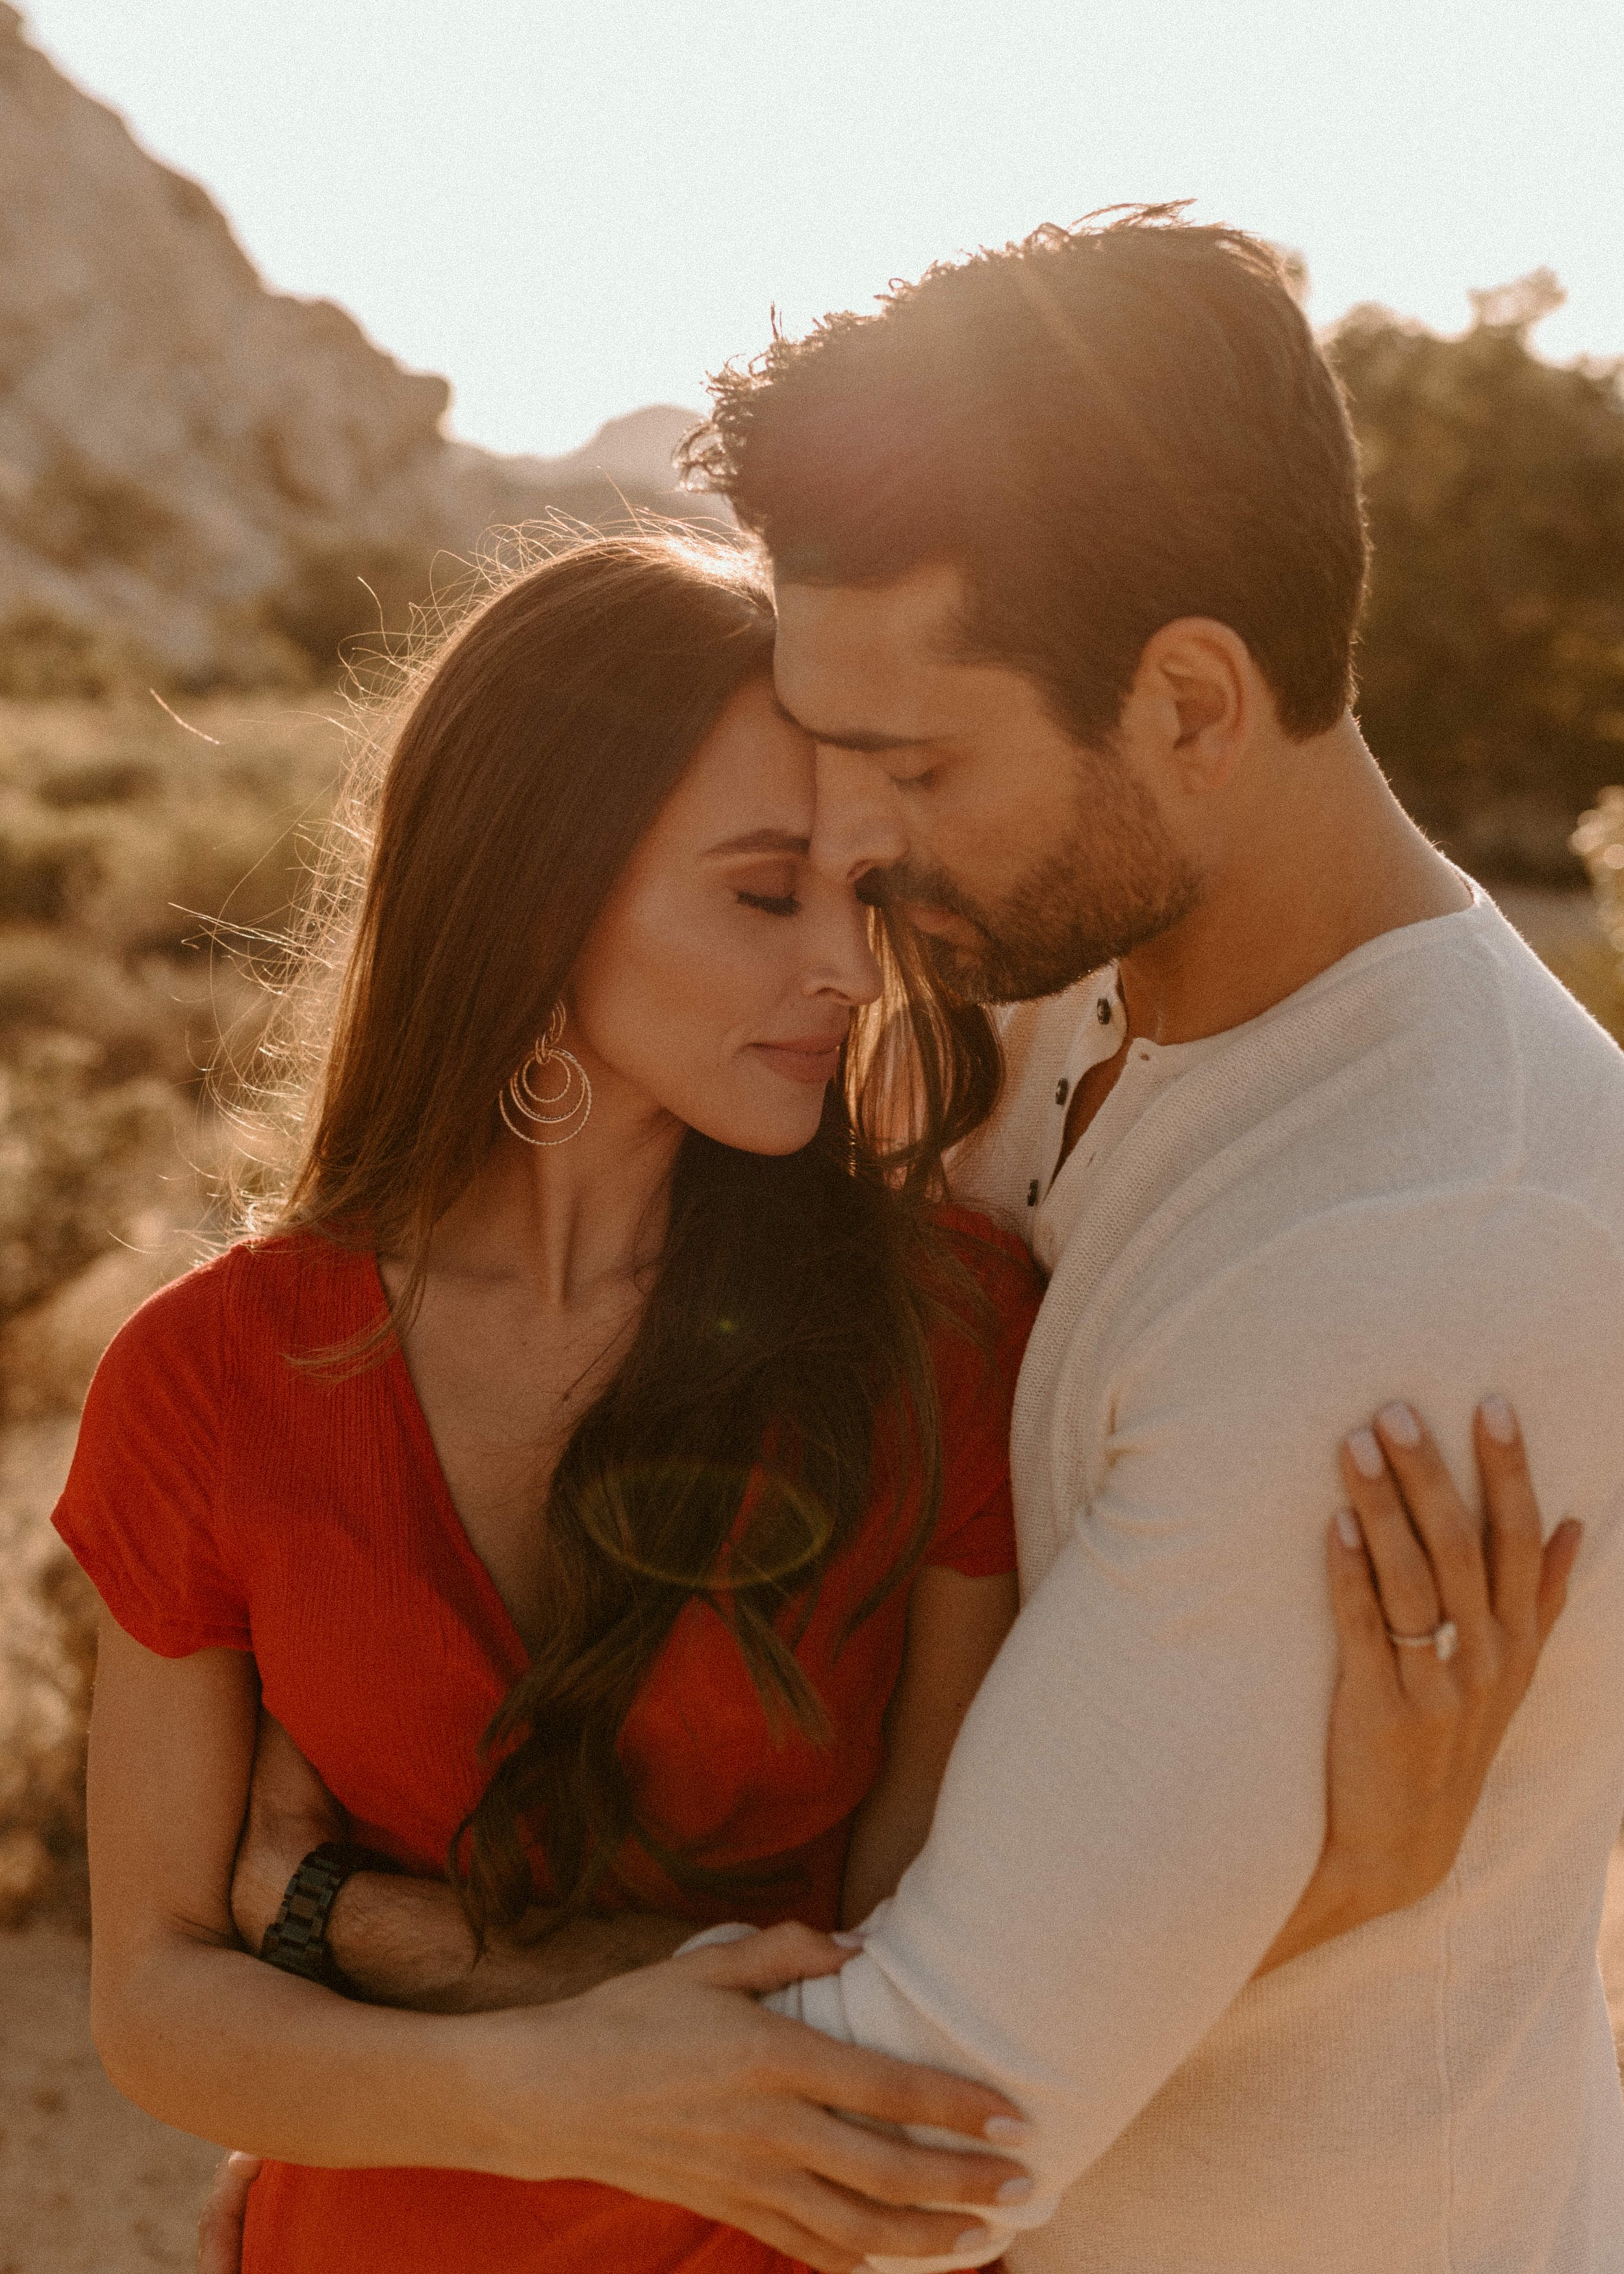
{"x":1062,"y":1091}
{"x":1102,"y":1011}
{"x":1031,"y":1193}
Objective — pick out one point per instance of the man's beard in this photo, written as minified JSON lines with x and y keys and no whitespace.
{"x":1117,"y":881}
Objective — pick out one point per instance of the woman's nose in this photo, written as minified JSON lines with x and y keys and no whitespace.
{"x":857,"y":822}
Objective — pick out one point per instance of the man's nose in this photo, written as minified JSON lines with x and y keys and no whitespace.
{"x":847,"y":967}
{"x":857,"y":822}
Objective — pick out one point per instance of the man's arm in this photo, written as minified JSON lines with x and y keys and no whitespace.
{"x":404,"y":1941}
{"x":1137,"y":1796}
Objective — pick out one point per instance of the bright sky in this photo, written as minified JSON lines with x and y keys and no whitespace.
{"x":574,"y":210}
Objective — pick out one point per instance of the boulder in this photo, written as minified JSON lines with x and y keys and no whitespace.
{"x":197,"y":473}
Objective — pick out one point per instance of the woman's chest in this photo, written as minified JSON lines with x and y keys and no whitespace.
{"x":385,"y":1649}
{"x":500,"y":1389}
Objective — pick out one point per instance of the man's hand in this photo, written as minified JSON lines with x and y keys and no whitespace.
{"x":675,"y":2085}
{"x":220,"y":2229}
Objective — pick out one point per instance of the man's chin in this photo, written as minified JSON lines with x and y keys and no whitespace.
{"x":992,"y":979}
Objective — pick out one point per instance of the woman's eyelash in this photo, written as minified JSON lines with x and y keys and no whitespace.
{"x":771,"y":904}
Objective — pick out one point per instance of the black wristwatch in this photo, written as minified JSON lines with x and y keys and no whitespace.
{"x":296,"y":1938}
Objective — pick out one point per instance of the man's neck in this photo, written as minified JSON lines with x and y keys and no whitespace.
{"x":1317,"y":857}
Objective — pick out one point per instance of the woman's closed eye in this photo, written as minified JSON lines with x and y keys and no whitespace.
{"x":771,"y":889}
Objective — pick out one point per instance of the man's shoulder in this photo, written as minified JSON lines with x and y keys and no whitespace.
{"x":1495,"y":1074}
{"x":1435,"y":1297}
{"x":1443,"y":1061}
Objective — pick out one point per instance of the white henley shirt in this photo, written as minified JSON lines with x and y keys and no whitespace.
{"x":1405,"y":1180}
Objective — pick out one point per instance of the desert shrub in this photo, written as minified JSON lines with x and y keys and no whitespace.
{"x":1492,"y":662}
{"x":140,"y":864}
{"x":141,"y":868}
{"x":349,"y":592}
{"x":75,"y":1155}
{"x":48,"y":1629}
{"x":119,"y":824}
{"x":1598,"y":840}
{"x":46,"y":656}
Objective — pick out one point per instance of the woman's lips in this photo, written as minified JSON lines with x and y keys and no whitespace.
{"x":809,"y":1062}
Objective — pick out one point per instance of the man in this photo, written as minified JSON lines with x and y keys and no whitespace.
{"x":1069,"y":556}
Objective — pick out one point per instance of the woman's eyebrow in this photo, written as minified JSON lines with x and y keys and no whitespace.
{"x":762,"y":841}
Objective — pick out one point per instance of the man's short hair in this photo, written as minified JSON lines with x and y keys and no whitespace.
{"x":1105,"y":427}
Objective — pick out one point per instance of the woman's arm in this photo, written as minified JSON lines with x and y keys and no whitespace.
{"x":956,"y":1629}
{"x":186,"y":2023}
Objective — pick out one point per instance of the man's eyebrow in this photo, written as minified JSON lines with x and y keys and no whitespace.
{"x":833,"y":742}
{"x":761,"y":840}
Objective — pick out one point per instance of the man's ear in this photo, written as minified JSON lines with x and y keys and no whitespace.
{"x":1206,"y":692}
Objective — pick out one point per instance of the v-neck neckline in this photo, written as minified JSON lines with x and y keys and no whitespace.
{"x":415,"y":1422}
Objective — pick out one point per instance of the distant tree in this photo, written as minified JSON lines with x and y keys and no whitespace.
{"x":1492,"y":665}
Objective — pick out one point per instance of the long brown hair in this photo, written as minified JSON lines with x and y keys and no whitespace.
{"x":786,"y":1327}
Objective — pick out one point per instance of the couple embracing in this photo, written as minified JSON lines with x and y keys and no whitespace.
{"x":584,"y":1521}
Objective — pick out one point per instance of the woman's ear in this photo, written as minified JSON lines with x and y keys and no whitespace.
{"x":1207,"y":691}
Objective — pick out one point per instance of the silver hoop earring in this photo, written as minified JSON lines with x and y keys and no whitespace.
{"x":571,"y":1102}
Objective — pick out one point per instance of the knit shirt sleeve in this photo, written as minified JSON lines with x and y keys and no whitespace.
{"x":1137,"y":1799}
{"x":139,"y":1510}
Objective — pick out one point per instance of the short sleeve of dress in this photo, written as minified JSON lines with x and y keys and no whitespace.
{"x":138,"y":1507}
{"x":976,"y":1372}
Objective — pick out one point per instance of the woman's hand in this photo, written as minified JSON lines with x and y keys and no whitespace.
{"x":674,"y":2083}
{"x":1414,"y":1727}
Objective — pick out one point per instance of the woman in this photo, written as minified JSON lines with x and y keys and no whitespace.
{"x":600,"y":1473}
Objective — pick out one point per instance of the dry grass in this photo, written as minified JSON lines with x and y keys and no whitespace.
{"x":134,"y":857}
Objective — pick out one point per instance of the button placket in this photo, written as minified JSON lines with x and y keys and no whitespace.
{"x":1084,"y":1055}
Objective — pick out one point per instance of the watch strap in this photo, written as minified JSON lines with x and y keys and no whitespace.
{"x":296,"y":1938}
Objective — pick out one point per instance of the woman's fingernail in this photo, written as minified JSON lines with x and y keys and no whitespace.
{"x":1400,"y":1424}
{"x":1367,"y":1456}
{"x":1348,"y":1529}
{"x":849,"y":1941}
{"x":1014,"y":2191}
{"x":1499,"y":1419}
{"x":1008,"y":2129}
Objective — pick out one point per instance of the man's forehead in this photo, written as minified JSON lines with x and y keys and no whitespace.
{"x":853,"y":661}
{"x":917,"y":616}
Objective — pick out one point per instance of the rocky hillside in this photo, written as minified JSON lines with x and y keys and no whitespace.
{"x":195,"y":471}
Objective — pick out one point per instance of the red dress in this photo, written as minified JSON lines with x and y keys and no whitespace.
{"x":221,"y":1496}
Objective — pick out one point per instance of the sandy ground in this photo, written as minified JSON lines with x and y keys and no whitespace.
{"x":90,"y":2186}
